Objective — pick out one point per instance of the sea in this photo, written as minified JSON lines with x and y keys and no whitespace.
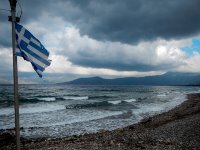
{"x":65,"y":110}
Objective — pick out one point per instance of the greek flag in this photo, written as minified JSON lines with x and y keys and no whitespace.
{"x":30,"y":48}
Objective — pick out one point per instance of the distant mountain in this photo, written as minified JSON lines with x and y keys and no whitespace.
{"x":170,"y":78}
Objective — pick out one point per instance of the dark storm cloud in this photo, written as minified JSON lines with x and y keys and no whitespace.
{"x":134,"y":20}
{"x":5,"y":32}
{"x":121,"y":66}
{"x":127,"y":21}
{"x":31,"y":11}
{"x":122,"y":62}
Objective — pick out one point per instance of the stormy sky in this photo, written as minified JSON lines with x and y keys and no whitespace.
{"x":107,"y":38}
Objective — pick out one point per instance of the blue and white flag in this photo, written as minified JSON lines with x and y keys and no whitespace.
{"x":30,"y":48}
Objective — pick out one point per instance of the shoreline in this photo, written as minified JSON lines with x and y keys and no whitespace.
{"x":177,"y":128}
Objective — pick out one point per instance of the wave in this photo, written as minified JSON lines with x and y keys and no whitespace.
{"x":32,"y":108}
{"x":36,"y":99}
{"x":6,"y":103}
{"x":107,"y":90}
{"x":146,"y":110}
{"x":88,"y":105}
{"x":130,"y":100}
{"x":100,"y":97}
{"x":75,"y":97}
{"x":29,"y":100}
{"x":99,"y":104}
{"x":51,"y":99}
{"x":48,"y":99}
{"x":40,"y":109}
{"x":42,"y":99}
{"x":162,"y":95}
{"x":115,"y":102}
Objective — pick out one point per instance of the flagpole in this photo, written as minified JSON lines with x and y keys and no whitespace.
{"x":15,"y":73}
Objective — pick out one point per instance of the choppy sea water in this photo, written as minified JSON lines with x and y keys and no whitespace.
{"x":63,"y":110}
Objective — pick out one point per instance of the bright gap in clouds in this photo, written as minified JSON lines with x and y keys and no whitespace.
{"x":193,"y":48}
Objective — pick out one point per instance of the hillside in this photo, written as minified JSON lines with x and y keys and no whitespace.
{"x":170,"y":78}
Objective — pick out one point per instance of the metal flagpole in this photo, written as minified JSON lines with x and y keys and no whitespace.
{"x":13,"y":19}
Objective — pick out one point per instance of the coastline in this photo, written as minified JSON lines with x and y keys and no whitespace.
{"x":176,"y":129}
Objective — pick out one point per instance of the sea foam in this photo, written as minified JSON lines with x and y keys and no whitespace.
{"x":115,"y":102}
{"x":130,"y":100}
{"x":162,"y":95}
{"x":75,"y":97}
{"x":146,"y":110}
{"x":41,"y":108}
{"x":48,"y":99}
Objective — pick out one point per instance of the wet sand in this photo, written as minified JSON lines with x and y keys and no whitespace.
{"x":178,"y":128}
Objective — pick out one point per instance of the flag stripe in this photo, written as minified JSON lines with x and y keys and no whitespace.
{"x":34,"y":50}
{"x":39,"y":65}
{"x":39,"y":73}
{"x":25,"y":48}
{"x":41,"y":51}
{"x":18,"y":27}
{"x":22,"y":32}
{"x":18,"y":52}
{"x":35,"y":41}
{"x":36,"y":69}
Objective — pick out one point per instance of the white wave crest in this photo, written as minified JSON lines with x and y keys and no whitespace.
{"x":75,"y":97}
{"x":130,"y":100}
{"x":48,"y":99}
{"x":162,"y":95}
{"x":115,"y":102}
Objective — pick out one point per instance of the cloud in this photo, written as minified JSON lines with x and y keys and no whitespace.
{"x":6,"y":65}
{"x":132,"y":21}
{"x":146,"y":56}
{"x":6,"y":60}
{"x":195,"y":46}
{"x":70,"y":68}
{"x":191,"y":64}
{"x":129,"y":21}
